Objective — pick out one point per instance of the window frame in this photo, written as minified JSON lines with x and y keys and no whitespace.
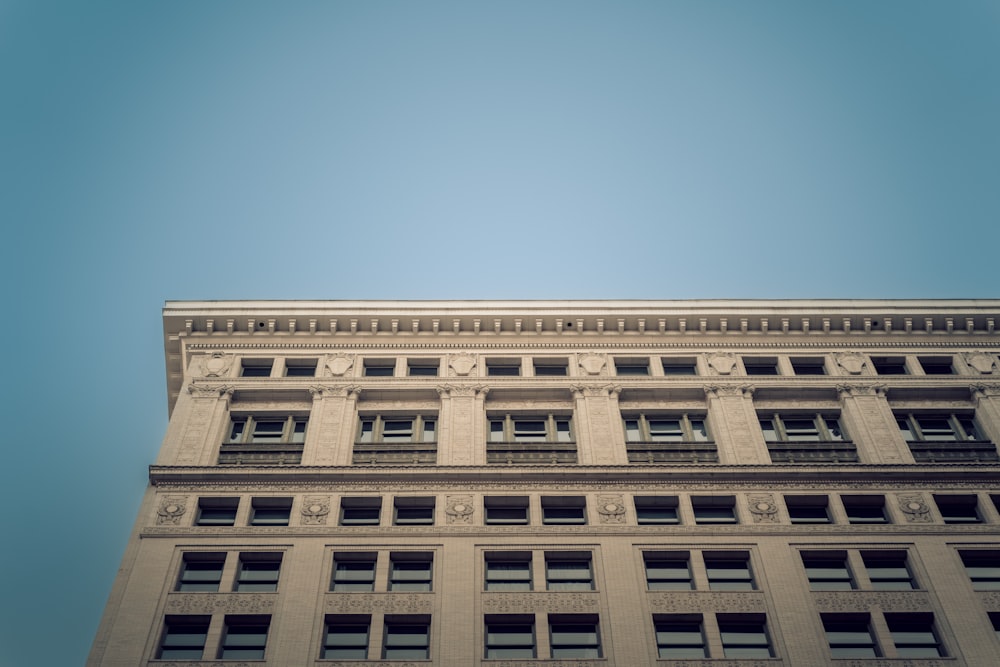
{"x":853,"y":503}
{"x":961,"y":425}
{"x":377,"y":367}
{"x":299,"y":367}
{"x":246,"y":623}
{"x":564,"y":510}
{"x":761,"y":366}
{"x":231,"y":505}
{"x":680,"y":625}
{"x":493,"y":572}
{"x":180,"y":625}
{"x":346,"y":621}
{"x":949,"y":504}
{"x":570,"y":561}
{"x":257,"y":367}
{"x":852,"y":628}
{"x":899,"y":560}
{"x":423,"y":429}
{"x":645,"y":433}
{"x":279,"y":507}
{"x":199,"y":584}
{"x":668,"y":561}
{"x":360,"y":504}
{"x":407,"y":561}
{"x":251,"y":583}
{"x":573,"y":624}
{"x":911,"y":647}
{"x":744,"y":624}
{"x":707,"y":510}
{"x":351,"y":584}
{"x":978,"y":564}
{"x":716,"y":561}
{"x":509,"y":429}
{"x":496,"y":624}
{"x":411,"y":504}
{"x":821,"y":426}
{"x":828,"y":571}
{"x":679,"y":366}
{"x":405,"y":624}
{"x":632,"y":367}
{"x":668,"y":506}
{"x":501,"y":504}
{"x":249,"y":433}
{"x":808,"y":504}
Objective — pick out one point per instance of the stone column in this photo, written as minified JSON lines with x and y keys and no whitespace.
{"x":197,"y":426}
{"x":462,"y":436}
{"x":597,"y":421}
{"x":986,"y":399}
{"x":734,"y":424}
{"x":329,"y":437}
{"x":868,"y":420}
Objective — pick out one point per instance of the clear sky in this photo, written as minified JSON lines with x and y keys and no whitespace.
{"x":410,"y":150}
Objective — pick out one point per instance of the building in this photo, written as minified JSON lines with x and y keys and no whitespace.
{"x":571,"y":484}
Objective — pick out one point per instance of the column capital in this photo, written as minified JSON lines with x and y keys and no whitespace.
{"x":211,"y":390}
{"x":866,"y":389}
{"x":321,"y":391}
{"x":718,"y":391}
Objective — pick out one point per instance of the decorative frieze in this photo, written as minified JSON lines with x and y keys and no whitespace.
{"x":694,"y":601}
{"x":386,"y":603}
{"x":458,"y":509}
{"x":762,"y":508}
{"x":220,"y":603}
{"x":541,"y":602}
{"x":865,"y":600}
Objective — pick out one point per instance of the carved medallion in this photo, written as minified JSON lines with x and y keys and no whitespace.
{"x":216,"y":364}
{"x":763,"y":508}
{"x":722,"y":363}
{"x":914,"y":507}
{"x":981,"y":361}
{"x":338,"y":364}
{"x":458,"y":509}
{"x":852,"y":362}
{"x":462,"y":363}
{"x":171,"y":510}
{"x":591,"y":363}
{"x":315,"y":509}
{"x":611,"y":509}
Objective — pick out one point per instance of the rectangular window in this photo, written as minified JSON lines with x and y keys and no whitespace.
{"x":244,"y":637}
{"x":808,"y":509}
{"x":574,"y":636}
{"x":508,"y":571}
{"x":550,"y":368}
{"x":217,"y":511}
{"x":914,"y":635}
{"x":564,"y":510}
{"x":420,"y":368}
{"x":757,"y":366}
{"x":850,"y":635}
{"x":305,"y":368}
{"x":510,"y":636}
{"x":937,"y":427}
{"x":256,"y":368}
{"x":801,"y":428}
{"x":679,"y":366}
{"x":393,"y":429}
{"x":270,"y":511}
{"x":568,"y":571}
{"x":958,"y":508}
{"x":201,"y":571}
{"x":889,"y":365}
{"x":406,"y":637}
{"x":263,"y":430}
{"x":632,"y":367}
{"x":380,"y":368}
{"x":865,"y":509}
{"x":346,"y":637}
{"x":668,"y":571}
{"x":506,"y":510}
{"x":812,"y":366}
{"x":729,"y":571}
{"x":543,"y":428}
{"x":983,"y":568}
{"x":258,"y":572}
{"x":744,"y":635}
{"x":504,"y":368}
{"x":414,"y":511}
{"x":183,"y":637}
{"x":827,"y":571}
{"x":714,"y":509}
{"x":365,"y":511}
{"x":676,"y":428}
{"x":995,"y":621}
{"x":888,"y":570}
{"x":936,"y":365}
{"x":656,"y":510}
{"x":410,"y":571}
{"x":353,"y":572}
{"x":680,"y":636}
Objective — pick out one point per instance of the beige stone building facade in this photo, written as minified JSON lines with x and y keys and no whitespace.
{"x":571,"y":484}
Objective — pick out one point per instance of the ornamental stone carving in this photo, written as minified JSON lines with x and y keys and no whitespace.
{"x":223,"y":603}
{"x":692,"y":601}
{"x":594,"y":391}
{"x":723,"y":363}
{"x":852,"y":362}
{"x":762,"y":508}
{"x":200,"y":663}
{"x":388,"y":603}
{"x":531,"y":663}
{"x":171,"y":510}
{"x":867,"y":662}
{"x":505,"y":603}
{"x":592,"y":364}
{"x":862,"y":389}
{"x":216,"y":364}
{"x":315,"y":510}
{"x":914,"y":508}
{"x":460,"y":391}
{"x":981,"y":362}
{"x":990,"y":600}
{"x":611,"y":509}
{"x":865,"y":600}
{"x":210,"y":390}
{"x":338,"y":364}
{"x":731,"y":390}
{"x":321,"y":391}
{"x":462,"y":364}
{"x":458,"y":509}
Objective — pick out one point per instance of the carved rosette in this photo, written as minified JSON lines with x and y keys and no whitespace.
{"x":388,"y":603}
{"x":762,"y":508}
{"x":458,"y":509}
{"x":171,"y":510}
{"x":914,"y":508}
{"x":611,"y":509}
{"x":315,"y":509}
{"x":852,"y":362}
{"x":723,"y":363}
{"x":981,"y":362}
{"x":592,"y":364}
{"x":865,"y":600}
{"x":216,"y":364}
{"x":462,"y":364}
{"x":506,"y":603}
{"x":224,"y":603}
{"x":338,"y":364}
{"x":684,"y":601}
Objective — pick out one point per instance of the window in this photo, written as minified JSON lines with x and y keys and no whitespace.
{"x":995,"y":620}
{"x":983,"y":568}
{"x":564,"y":510}
{"x":508,"y":571}
{"x":574,"y":636}
{"x":812,"y":366}
{"x":201,"y":572}
{"x":380,"y":368}
{"x":801,"y":428}
{"x":550,"y":367}
{"x":183,"y":637}
{"x":510,"y":636}
{"x":422,"y":368}
{"x":262,"y":429}
{"x":914,"y":635}
{"x":353,"y":572}
{"x":360,"y":511}
{"x":217,"y":511}
{"x":407,"y":637}
{"x":505,"y":368}
{"x":938,"y":427}
{"x":568,"y":571}
{"x":270,"y":511}
{"x":827,"y":571}
{"x":958,"y":508}
{"x":544,"y":428}
{"x":300,"y":368}
{"x":414,"y":511}
{"x":680,"y":636}
{"x":888,"y":570}
{"x":680,"y":428}
{"x":388,"y":429}
{"x":807,"y":509}
{"x":346,"y":637}
{"x":256,"y":368}
{"x":410,"y":571}
{"x":865,"y":509}
{"x":668,"y":571}
{"x":729,"y":571}
{"x":714,"y":509}
{"x":656,"y":510}
{"x":679,"y":366}
{"x":744,"y":635}
{"x":889,"y":365}
{"x":936,"y":365}
{"x":509,"y":510}
{"x":634,"y":367}
{"x":850,"y":635}
{"x":258,"y":572}
{"x":244,"y":637}
{"x":757,"y":366}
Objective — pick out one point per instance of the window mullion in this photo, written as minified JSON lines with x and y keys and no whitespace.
{"x":550,"y":428}
{"x":821,"y":429}
{"x":915,"y":425}
{"x":644,"y":429}
{"x":956,"y":428}
{"x":779,"y":428}
{"x":686,"y":430}
{"x":417,"y":426}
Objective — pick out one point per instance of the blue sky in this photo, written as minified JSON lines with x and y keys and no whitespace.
{"x":410,"y":150}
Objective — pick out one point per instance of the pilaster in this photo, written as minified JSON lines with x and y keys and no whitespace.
{"x":197,"y":425}
{"x":461,"y":440}
{"x":986,"y":398}
{"x":599,"y":438}
{"x":331,"y":425}
{"x":734,"y":424}
{"x":870,"y":424}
